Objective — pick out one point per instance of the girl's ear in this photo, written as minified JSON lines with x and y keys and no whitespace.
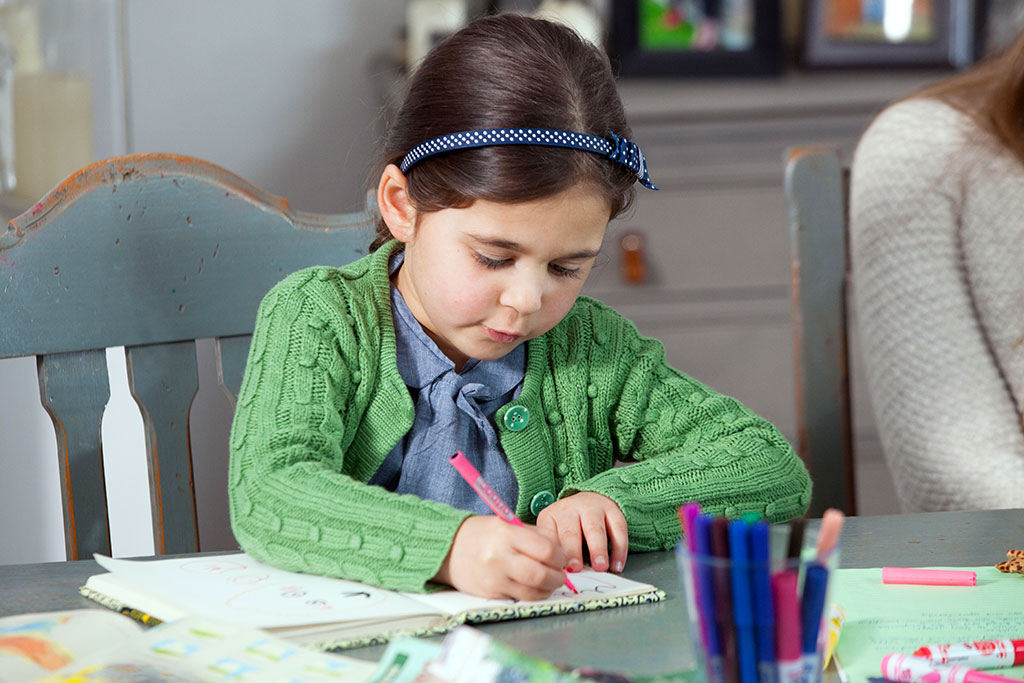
{"x":393,"y":201}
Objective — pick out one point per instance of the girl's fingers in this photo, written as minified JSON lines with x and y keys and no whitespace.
{"x":539,"y":547}
{"x":527,"y":593}
{"x":618,"y":535}
{"x":546,"y":525}
{"x":594,"y":531}
{"x":497,"y":560}
{"x":591,"y":518}
{"x":528,"y":579}
{"x":570,"y":537}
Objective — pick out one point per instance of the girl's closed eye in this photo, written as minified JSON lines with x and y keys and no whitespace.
{"x":495,"y":263}
{"x":565,"y":271}
{"x":488,"y":262}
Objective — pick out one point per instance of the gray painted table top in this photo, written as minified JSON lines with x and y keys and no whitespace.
{"x":644,"y":639}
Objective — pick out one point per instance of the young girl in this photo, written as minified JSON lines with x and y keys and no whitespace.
{"x":464,"y":330}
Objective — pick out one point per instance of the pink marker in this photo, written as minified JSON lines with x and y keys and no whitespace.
{"x":828,"y":533}
{"x":789,"y":653}
{"x":910,"y":669}
{"x":929,"y":577}
{"x":464,"y":467}
{"x":981,"y":654}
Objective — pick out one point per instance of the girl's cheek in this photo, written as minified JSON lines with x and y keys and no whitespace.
{"x":562,"y":303}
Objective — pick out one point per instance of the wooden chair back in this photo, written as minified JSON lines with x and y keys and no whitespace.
{"x":149,"y":252}
{"x":816,"y":187}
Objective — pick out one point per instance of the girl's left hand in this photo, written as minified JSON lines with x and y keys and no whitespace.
{"x":591,"y":516}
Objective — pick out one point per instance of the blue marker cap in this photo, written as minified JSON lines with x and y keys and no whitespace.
{"x":739,"y":552}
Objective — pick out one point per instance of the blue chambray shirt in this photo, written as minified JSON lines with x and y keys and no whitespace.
{"x":454,"y":411}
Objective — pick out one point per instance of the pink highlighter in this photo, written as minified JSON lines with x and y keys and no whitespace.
{"x":464,"y":467}
{"x":910,"y":669}
{"x":929,"y":577}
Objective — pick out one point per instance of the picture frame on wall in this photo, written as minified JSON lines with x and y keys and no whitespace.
{"x":892,"y":33}
{"x":695,"y":38}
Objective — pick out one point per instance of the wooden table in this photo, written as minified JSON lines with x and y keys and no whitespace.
{"x":644,"y":640}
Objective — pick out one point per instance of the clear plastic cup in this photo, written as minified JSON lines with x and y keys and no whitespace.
{"x":742,"y":640}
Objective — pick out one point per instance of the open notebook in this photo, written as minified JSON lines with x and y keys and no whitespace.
{"x":322,"y":612}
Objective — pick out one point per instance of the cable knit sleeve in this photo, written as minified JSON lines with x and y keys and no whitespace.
{"x":936,"y":231}
{"x":296,"y":497}
{"x":687,"y":442}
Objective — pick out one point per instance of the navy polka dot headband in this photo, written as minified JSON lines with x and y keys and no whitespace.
{"x":619,"y":150}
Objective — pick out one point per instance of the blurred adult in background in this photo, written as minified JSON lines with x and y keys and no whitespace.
{"x":937,"y":248}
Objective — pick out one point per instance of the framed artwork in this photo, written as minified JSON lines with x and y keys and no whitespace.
{"x":686,"y":38}
{"x":892,"y":33}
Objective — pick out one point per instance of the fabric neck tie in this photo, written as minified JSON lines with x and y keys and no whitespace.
{"x":453,"y":412}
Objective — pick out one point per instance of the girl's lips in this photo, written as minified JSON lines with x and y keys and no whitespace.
{"x":503,"y":337}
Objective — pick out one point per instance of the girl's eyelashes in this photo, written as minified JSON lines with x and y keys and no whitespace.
{"x":490,"y":262}
{"x":562,"y":271}
{"x":494,"y":264}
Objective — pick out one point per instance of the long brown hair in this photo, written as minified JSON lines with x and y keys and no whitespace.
{"x":992,"y":93}
{"x":508,"y":71}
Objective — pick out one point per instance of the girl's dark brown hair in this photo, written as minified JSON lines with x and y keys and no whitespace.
{"x":508,"y":71}
{"x":992,"y":93}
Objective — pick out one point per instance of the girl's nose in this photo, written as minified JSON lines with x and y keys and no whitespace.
{"x":523,"y":295}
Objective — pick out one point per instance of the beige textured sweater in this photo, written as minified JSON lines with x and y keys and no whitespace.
{"x":937,"y":240}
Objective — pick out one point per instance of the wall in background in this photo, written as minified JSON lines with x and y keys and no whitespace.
{"x":285,"y":95}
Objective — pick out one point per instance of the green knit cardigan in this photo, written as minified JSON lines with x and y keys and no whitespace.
{"x":323,"y":403}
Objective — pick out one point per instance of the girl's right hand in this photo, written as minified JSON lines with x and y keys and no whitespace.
{"x":494,"y":559}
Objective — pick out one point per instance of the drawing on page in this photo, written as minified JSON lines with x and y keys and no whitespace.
{"x":293,"y":600}
{"x":589,"y":583}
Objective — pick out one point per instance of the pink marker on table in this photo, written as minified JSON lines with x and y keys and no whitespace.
{"x":910,"y":669}
{"x":473,"y":477}
{"x":929,"y":577}
{"x":981,"y":654}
